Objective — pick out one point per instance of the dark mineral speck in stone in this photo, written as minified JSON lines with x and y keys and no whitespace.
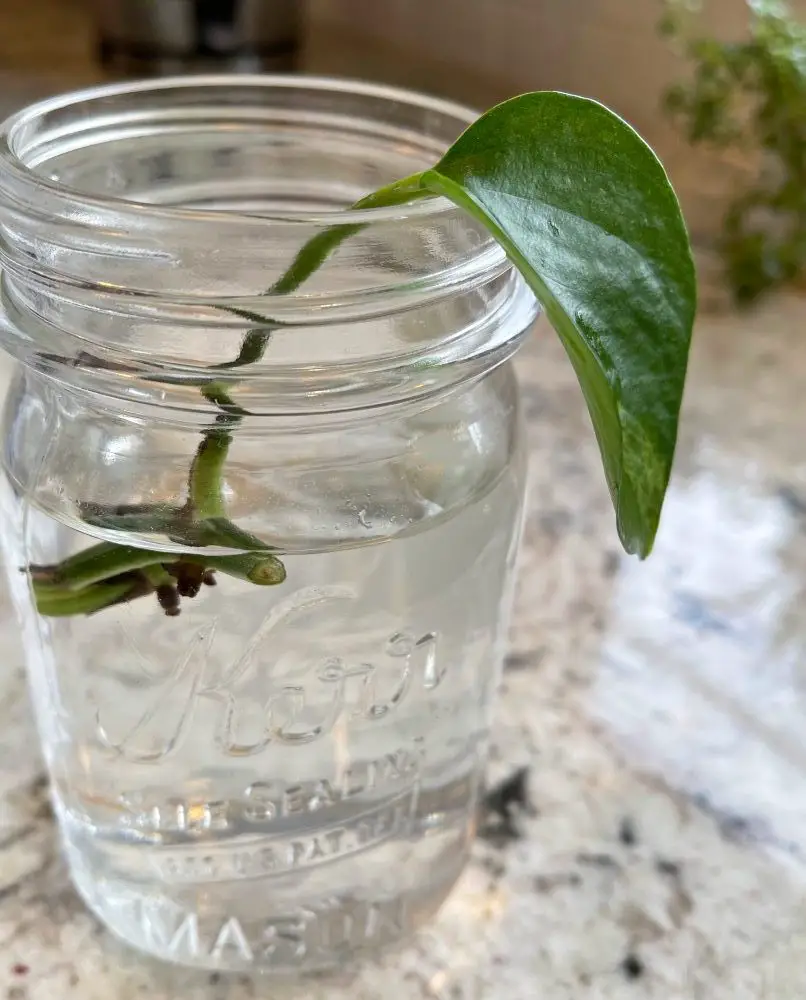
{"x":627,"y":834}
{"x":632,"y":967}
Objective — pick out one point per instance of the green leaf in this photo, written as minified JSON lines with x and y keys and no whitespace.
{"x":585,"y":211}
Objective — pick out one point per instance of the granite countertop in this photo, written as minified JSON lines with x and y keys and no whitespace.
{"x":659,"y":709}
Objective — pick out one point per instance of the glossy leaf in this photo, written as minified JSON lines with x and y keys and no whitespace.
{"x":585,"y":211}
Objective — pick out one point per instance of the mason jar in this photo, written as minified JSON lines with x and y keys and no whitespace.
{"x":274,"y":770}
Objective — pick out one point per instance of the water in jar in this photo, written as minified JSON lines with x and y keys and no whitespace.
{"x":279,"y":777}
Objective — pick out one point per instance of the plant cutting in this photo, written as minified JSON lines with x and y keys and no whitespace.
{"x":585,"y":212}
{"x":748,"y":96}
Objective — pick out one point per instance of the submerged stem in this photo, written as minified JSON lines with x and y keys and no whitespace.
{"x":205,"y":480}
{"x":82,"y":602}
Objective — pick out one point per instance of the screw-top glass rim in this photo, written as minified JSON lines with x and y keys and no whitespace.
{"x":17,"y":131}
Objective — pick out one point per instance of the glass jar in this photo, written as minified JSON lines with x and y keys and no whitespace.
{"x":280,"y":771}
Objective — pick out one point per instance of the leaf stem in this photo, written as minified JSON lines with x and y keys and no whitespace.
{"x":74,"y":586}
{"x":205,"y":481}
{"x":263,"y":569}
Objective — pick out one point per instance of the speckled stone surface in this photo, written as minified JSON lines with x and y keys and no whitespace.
{"x":660,"y":708}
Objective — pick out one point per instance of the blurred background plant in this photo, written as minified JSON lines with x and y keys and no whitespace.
{"x":750,"y":95}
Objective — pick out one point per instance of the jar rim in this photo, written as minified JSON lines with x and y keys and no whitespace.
{"x":14,"y":127}
{"x":165,"y":286}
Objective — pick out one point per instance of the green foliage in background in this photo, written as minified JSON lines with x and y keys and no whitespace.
{"x":751,"y":95}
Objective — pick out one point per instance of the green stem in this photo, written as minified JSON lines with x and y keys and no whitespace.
{"x":265,"y":570}
{"x":319,"y":247}
{"x":87,"y":582}
{"x":205,"y":476}
{"x":217,"y":393}
{"x":82,"y":602}
{"x":206,"y":486}
{"x":313,"y":254}
{"x":95,"y":564}
{"x":221,"y":531}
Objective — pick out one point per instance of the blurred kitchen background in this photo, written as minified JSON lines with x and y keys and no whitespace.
{"x":476,"y":51}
